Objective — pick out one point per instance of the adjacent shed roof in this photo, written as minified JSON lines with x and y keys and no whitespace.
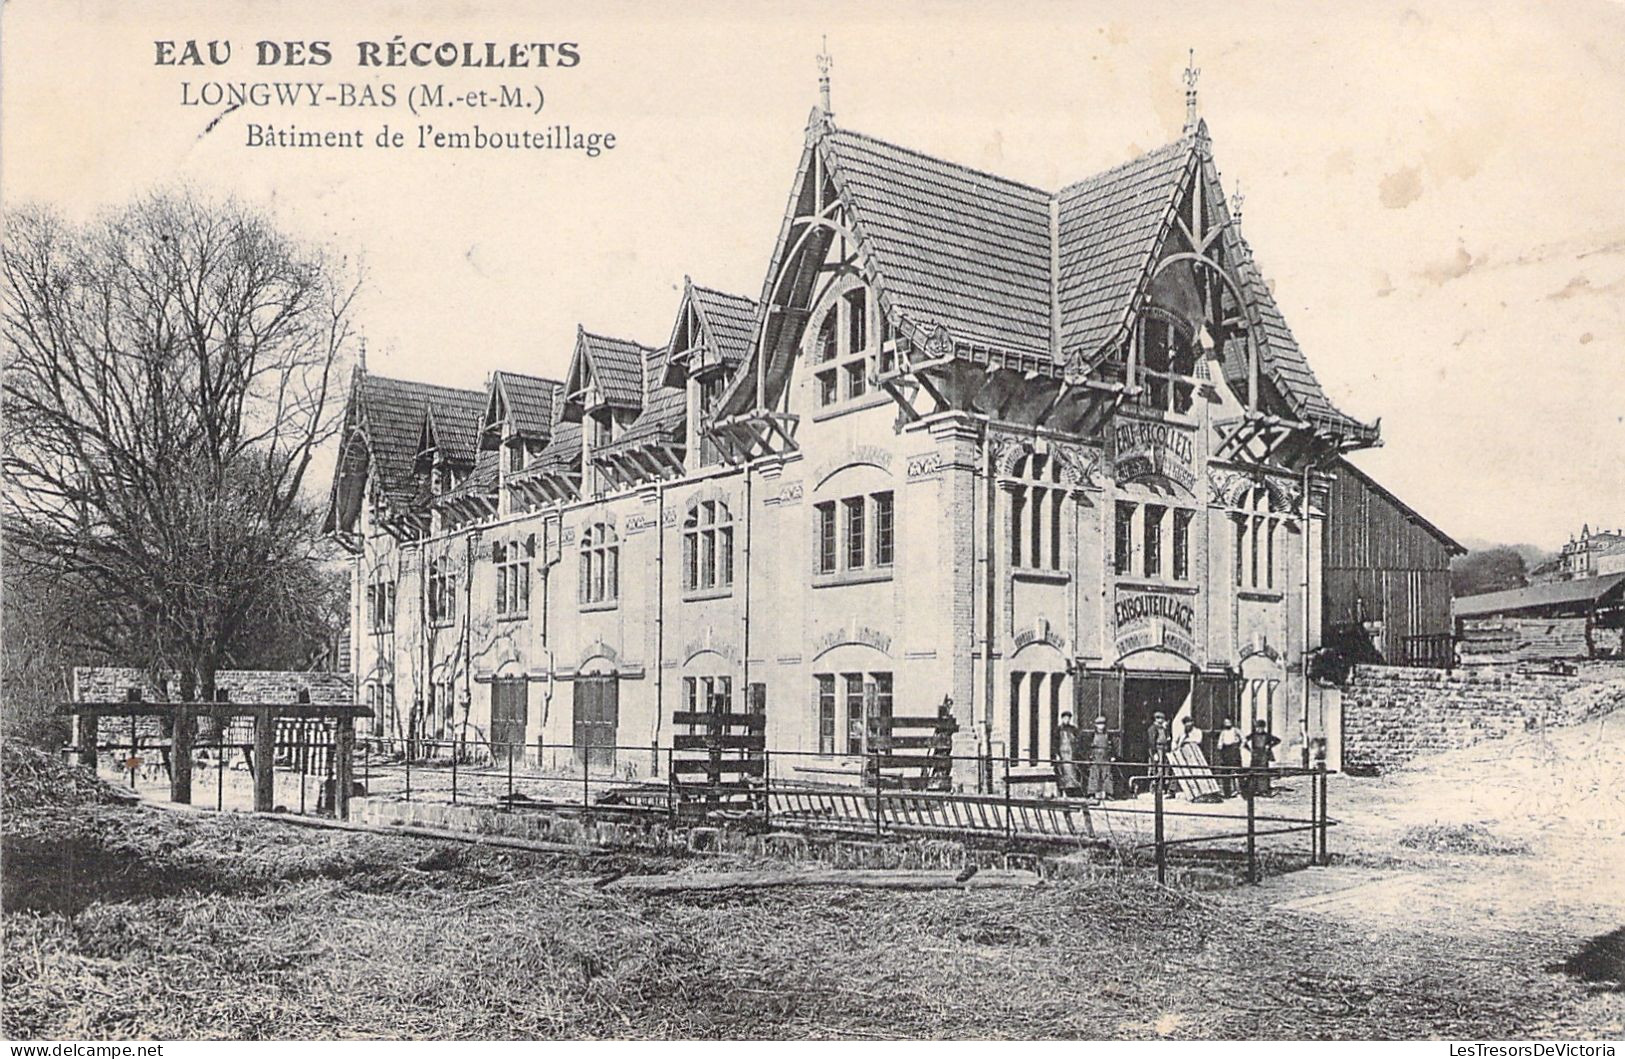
{"x":1582,"y":593}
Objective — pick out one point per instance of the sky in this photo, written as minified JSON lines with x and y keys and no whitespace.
{"x":1436,"y":191}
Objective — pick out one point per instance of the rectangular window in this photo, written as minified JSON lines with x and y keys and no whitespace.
{"x":725,"y":556}
{"x":1018,"y":508}
{"x":883,"y":703}
{"x":885,"y":546}
{"x":1182,"y":544}
{"x":854,"y":712}
{"x":857,"y":379}
{"x":691,"y":569}
{"x":1257,"y":527}
{"x":1269,"y":555}
{"x":1153,"y":539}
{"x":1037,"y":537}
{"x":826,"y":713}
{"x":691,"y":702}
{"x":1057,"y":503}
{"x":854,"y":532}
{"x":857,"y":320}
{"x":1239,"y":524}
{"x":513,"y":578}
{"x":826,"y":537}
{"x":1123,"y":554}
{"x":1014,"y":749}
{"x":516,"y":456}
{"x":826,"y":388}
{"x":887,"y":357}
{"x":1035,"y":699}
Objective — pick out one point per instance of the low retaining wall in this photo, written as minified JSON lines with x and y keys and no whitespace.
{"x":1392,"y":715}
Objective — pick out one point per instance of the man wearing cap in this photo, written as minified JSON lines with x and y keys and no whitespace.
{"x":1156,"y":749}
{"x":1065,"y":751}
{"x":1101,"y":753}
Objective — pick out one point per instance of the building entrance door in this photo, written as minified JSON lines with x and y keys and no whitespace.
{"x":597,"y":717}
{"x":1144,"y":695}
{"x":508,"y":700}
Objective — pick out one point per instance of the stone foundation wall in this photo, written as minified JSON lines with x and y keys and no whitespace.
{"x":113,"y":684}
{"x":1392,"y":715}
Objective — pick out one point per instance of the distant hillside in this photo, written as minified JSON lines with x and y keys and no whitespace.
{"x":1533,"y":554}
{"x":1492,"y":567}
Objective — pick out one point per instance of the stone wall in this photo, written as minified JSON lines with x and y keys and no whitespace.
{"x":113,"y":684}
{"x":1393,"y":715}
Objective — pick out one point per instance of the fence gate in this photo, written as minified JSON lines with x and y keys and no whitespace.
{"x":597,"y":715}
{"x":509,"y":699}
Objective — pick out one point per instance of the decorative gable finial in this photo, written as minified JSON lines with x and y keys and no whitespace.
{"x":824,"y":63}
{"x":1191,"y":74}
{"x":363,"y":361}
{"x":1236,"y":201}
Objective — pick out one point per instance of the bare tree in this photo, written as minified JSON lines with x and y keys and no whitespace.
{"x":171,"y":370}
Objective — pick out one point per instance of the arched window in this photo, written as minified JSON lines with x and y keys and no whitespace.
{"x":1037,"y":512}
{"x":1167,"y":365}
{"x":1257,"y":525}
{"x":708,"y":547}
{"x":600,"y":564}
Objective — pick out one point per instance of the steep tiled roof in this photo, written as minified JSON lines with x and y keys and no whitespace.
{"x":665,"y":408}
{"x":1279,"y":357}
{"x":481,"y":481}
{"x":391,"y":413}
{"x":1108,"y":226}
{"x":971,"y":251}
{"x":617,"y":367}
{"x":563,"y":453}
{"x":952,"y":245}
{"x":732,"y":320}
{"x":457,"y":424}
{"x":530,"y":402}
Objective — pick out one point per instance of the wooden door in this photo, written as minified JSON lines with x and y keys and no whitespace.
{"x":509,"y":697}
{"x":1215,"y":697}
{"x":597,"y":718}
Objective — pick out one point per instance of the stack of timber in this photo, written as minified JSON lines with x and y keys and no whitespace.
{"x":912,"y":753}
{"x":1508,"y":639}
{"x":722,"y":765}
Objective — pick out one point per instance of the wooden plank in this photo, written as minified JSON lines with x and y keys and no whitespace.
{"x":906,"y":761}
{"x":718,"y":742}
{"x":753,"y":721}
{"x":892,"y":879}
{"x":921,"y":721}
{"x":752,"y":768}
{"x":289,"y":710}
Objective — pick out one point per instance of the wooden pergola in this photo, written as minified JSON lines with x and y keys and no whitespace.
{"x":182,"y":717}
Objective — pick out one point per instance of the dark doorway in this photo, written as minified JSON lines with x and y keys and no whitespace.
{"x":509,"y":698}
{"x":1143,"y":696}
{"x":597,"y":717}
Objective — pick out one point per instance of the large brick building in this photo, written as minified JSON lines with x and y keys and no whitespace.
{"x":1032,"y":450}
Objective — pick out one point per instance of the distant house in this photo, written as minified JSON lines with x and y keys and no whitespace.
{"x":1386,"y":572}
{"x":1582,"y":618}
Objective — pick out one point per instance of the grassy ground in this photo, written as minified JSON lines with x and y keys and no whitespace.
{"x":126,"y":921}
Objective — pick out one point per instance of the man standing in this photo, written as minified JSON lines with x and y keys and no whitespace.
{"x":1101,"y":754}
{"x":1230,"y":740}
{"x":1260,"y":747}
{"x":1064,"y":750}
{"x":1156,"y":749}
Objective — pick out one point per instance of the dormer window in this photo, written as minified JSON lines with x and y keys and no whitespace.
{"x":517,"y":454}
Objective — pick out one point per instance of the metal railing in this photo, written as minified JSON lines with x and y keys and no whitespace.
{"x":852,"y":795}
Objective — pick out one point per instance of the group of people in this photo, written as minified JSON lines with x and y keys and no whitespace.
{"x":1084,"y":761}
